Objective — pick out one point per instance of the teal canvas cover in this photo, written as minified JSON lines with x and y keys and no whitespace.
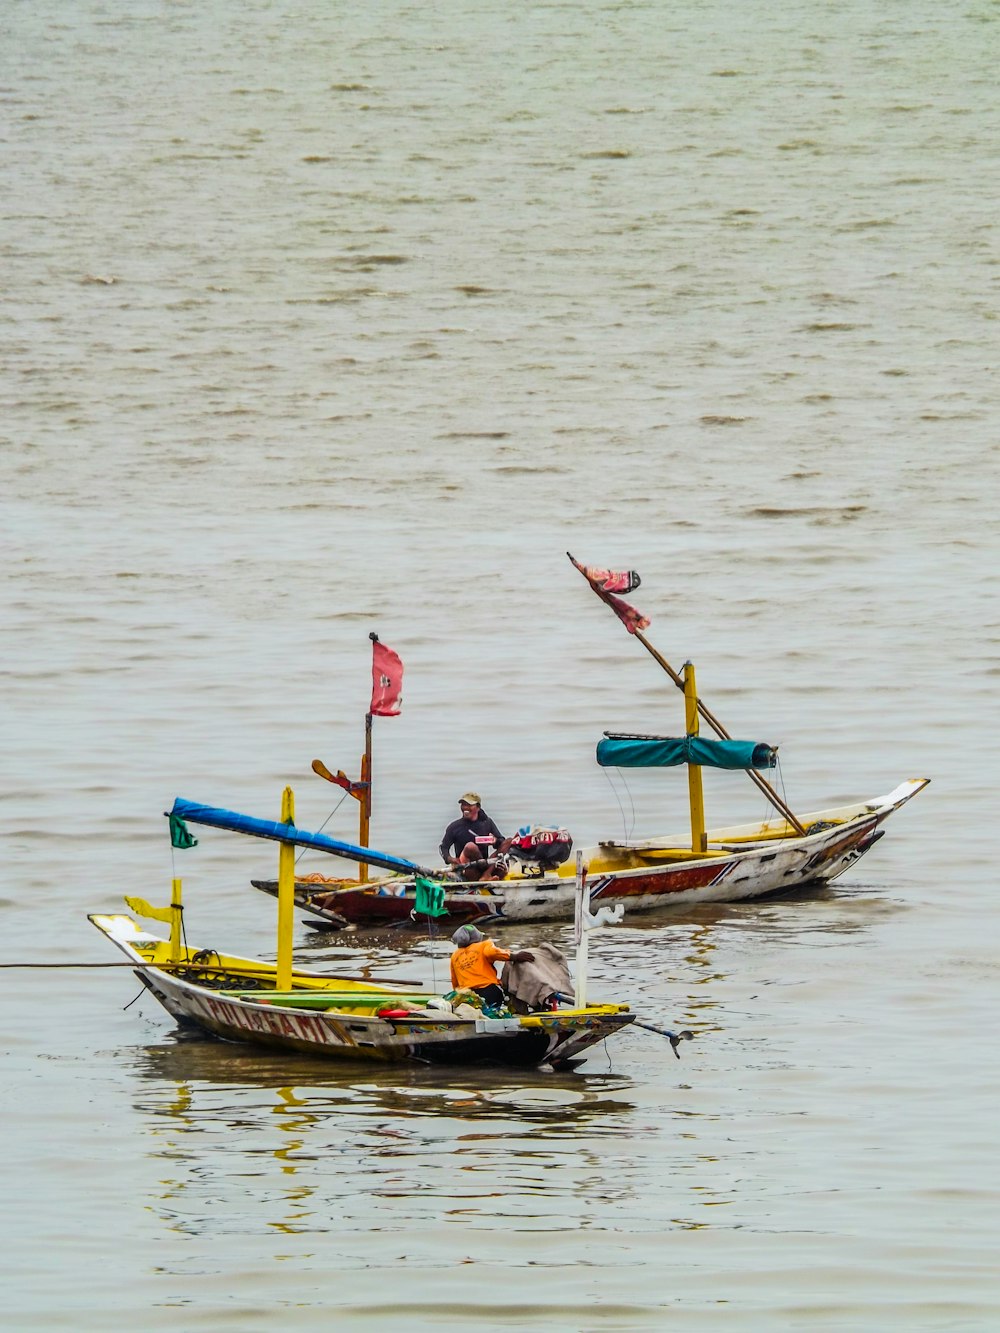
{"x":669,"y":751}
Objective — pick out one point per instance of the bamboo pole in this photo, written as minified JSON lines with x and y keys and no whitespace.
{"x":580,"y":934}
{"x":709,"y":717}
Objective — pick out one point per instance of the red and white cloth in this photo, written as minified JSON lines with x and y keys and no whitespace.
{"x":606,"y":582}
{"x":387,"y":681}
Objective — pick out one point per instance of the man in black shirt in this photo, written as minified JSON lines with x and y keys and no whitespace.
{"x":472,"y":842}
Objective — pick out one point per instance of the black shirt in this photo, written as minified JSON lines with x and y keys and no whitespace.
{"x":462,"y":831}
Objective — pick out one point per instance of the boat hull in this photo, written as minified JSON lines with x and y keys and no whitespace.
{"x":376,"y":1040}
{"x":556,"y":1038}
{"x":738,"y":865}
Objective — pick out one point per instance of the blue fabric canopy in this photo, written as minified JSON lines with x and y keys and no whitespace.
{"x":278,"y":832}
{"x":669,"y":751}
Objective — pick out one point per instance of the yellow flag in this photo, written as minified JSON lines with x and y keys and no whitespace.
{"x":142,"y":908}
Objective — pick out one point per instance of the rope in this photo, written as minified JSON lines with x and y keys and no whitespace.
{"x":430,"y":938}
{"x":781,"y":780}
{"x":134,"y":965}
{"x":627,"y":829}
{"x":192,"y":966}
{"x":324,"y":824}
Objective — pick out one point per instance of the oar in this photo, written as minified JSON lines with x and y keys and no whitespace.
{"x":675,"y":1038}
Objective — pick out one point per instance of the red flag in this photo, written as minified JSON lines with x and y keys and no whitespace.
{"x":606,"y":582}
{"x":610,"y":580}
{"x":632,"y":619}
{"x":387,"y":681}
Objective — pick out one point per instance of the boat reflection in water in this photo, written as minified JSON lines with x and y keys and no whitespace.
{"x":255,"y":1139}
{"x":235,"y":1144}
{"x":197,"y":1073}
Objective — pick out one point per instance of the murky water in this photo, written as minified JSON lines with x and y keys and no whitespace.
{"x":326,"y":319}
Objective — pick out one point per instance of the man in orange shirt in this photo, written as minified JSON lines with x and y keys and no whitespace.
{"x":472,"y":964}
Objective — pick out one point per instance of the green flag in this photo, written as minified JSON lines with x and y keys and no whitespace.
{"x":430,"y":897}
{"x":180,"y":836}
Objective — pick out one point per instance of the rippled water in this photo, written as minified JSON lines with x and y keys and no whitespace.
{"x":326,"y":319}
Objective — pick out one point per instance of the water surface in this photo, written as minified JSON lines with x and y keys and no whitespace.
{"x":327,"y":320}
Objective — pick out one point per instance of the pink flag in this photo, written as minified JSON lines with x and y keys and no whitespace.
{"x":610,"y":580}
{"x":606,"y":582}
{"x":387,"y":681}
{"x":632,"y":619}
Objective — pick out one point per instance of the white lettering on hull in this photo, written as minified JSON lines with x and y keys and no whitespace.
{"x":283,"y":1023}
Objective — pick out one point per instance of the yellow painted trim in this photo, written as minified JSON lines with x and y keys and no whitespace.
{"x":156,"y":952}
{"x":558,"y":1015}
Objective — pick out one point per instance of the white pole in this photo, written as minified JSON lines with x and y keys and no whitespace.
{"x":580,"y":932}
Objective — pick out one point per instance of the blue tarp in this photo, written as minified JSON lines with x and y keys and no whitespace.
{"x":278,"y":832}
{"x":668,"y":751}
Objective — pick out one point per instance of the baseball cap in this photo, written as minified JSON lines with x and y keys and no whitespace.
{"x":470,"y":798}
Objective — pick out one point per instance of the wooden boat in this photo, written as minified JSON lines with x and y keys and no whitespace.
{"x":277,"y":1005}
{"x":238,"y":999}
{"x":747,"y":861}
{"x":709,"y":865}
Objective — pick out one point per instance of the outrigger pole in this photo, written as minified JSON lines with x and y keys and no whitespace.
{"x":702,"y":708}
{"x":289,"y":836}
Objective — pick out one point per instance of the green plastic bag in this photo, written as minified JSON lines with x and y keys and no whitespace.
{"x":430,"y":897}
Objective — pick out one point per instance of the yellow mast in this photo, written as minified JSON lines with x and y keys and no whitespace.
{"x":175,"y":920}
{"x":699,"y":838}
{"x":721,"y":732}
{"x":286,"y":897}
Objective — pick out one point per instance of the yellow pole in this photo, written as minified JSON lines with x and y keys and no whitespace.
{"x":175,"y":920}
{"x":286,"y":896}
{"x":720,"y":731}
{"x":699,"y":839}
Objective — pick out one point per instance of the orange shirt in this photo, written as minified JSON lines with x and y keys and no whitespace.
{"x":473,"y":965}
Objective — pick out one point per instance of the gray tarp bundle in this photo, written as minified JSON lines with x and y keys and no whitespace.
{"x":533,"y":983}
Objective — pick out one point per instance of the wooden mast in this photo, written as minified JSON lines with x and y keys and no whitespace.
{"x":703,"y":710}
{"x":364,"y":797}
{"x":360,"y":790}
